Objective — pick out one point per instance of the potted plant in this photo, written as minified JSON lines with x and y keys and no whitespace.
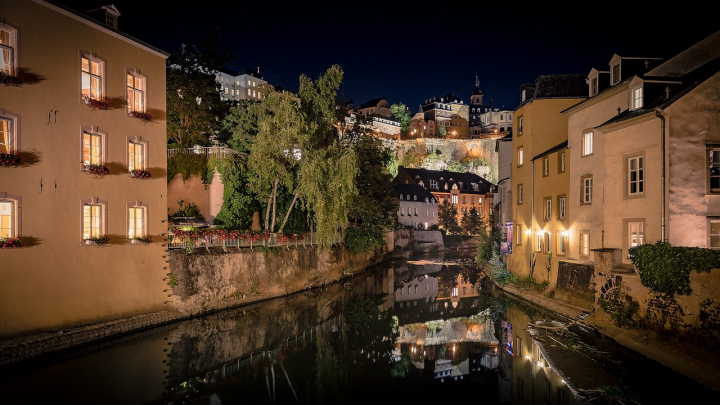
{"x":9,"y":159}
{"x":96,"y":170}
{"x":9,"y":80}
{"x":142,"y":239}
{"x":97,"y":103}
{"x":142,"y":116}
{"x":10,"y":242}
{"x":140,"y":174}
{"x":97,"y":240}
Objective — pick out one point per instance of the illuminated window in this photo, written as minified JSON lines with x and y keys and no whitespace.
{"x":92,"y":148}
{"x":8,"y":44}
{"x":8,"y":132}
{"x":9,"y":215}
{"x":520,"y":156}
{"x":584,"y":244}
{"x":714,"y":234}
{"x":586,"y":189}
{"x":92,"y":75}
{"x":637,"y":98}
{"x":587,"y":146}
{"x":135,"y":83}
{"x":714,"y":169}
{"x":137,"y":220}
{"x":454,"y":199}
{"x":94,"y":218}
{"x":137,"y":154}
{"x":636,"y":233}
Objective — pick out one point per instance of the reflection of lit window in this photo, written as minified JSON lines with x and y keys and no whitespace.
{"x":454,"y":292}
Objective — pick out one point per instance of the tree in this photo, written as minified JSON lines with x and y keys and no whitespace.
{"x":447,"y":217}
{"x":374,"y":210}
{"x":400,"y":112}
{"x":194,"y":107}
{"x":471,"y":222}
{"x":239,"y":203}
{"x":441,"y":130}
{"x":489,"y":238}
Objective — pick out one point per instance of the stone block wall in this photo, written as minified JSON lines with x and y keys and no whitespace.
{"x":576,"y":283}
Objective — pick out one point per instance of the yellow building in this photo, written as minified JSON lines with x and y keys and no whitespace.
{"x":540,"y":174}
{"x":77,"y":122}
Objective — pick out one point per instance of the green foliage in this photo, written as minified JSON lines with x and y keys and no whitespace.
{"x":190,"y":210}
{"x":239,"y":203}
{"x":498,"y":273}
{"x":548,"y":265}
{"x":188,"y":164}
{"x":411,"y":159}
{"x":666,"y":269}
{"x":447,"y":217}
{"x":193,"y":95}
{"x":623,"y":313}
{"x":442,"y":131}
{"x":472,"y":223}
{"x":455,"y":166}
{"x":400,"y":112}
{"x":173,"y":280}
{"x":364,"y":239}
{"x":392,"y":166}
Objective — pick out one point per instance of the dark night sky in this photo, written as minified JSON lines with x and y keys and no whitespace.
{"x":409,"y":54}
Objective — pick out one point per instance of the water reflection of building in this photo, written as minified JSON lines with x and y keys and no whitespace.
{"x":452,"y":348}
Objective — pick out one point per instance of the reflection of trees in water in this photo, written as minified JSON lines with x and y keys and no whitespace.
{"x":470,"y":273}
{"x":330,"y":376}
{"x":447,"y":280}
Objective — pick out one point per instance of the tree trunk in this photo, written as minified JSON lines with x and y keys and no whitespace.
{"x":267,"y":210}
{"x":287,"y":214}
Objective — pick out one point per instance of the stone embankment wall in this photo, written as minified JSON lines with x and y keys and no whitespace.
{"x":420,"y":241}
{"x":576,"y":283}
{"x":212,"y":281}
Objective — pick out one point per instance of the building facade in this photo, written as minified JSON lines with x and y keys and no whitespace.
{"x":81,"y":123}
{"x":240,"y":85}
{"x":418,"y":207}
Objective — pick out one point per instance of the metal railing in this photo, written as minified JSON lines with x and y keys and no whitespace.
{"x":273,"y":240}
{"x":207,"y":151}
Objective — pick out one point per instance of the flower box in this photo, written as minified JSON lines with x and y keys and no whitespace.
{"x":98,"y":240}
{"x":96,"y":170}
{"x":142,"y":239}
{"x":9,"y":159}
{"x":9,"y":243}
{"x":140,"y":174}
{"x":142,"y":116}
{"x":9,"y":80}
{"x":97,"y":104}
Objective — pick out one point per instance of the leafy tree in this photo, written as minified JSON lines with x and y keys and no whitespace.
{"x":447,"y":217}
{"x":411,"y":159}
{"x":239,"y":203}
{"x":375,"y":206}
{"x":441,"y":130}
{"x":400,"y":112}
{"x":471,"y":222}
{"x":489,"y":238}
{"x":455,"y":166}
{"x":193,"y":96}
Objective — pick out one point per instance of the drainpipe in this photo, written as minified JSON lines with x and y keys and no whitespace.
{"x":532,"y":211}
{"x":658,"y":113}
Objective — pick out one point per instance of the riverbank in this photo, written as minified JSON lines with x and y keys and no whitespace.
{"x":684,"y":358}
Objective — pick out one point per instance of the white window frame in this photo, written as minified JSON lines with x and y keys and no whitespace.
{"x":548,"y":208}
{"x":561,"y":245}
{"x":14,"y":222}
{"x":546,"y":166}
{"x":713,"y":165}
{"x":561,"y":207}
{"x":539,"y":241}
{"x":10,"y":140}
{"x":547,"y":238}
{"x":562,"y":162}
{"x":454,"y":199}
{"x":520,"y":123}
{"x":132,"y":153}
{"x":134,"y":92}
{"x":520,"y":194}
{"x":636,"y":97}
{"x":615,"y":73}
{"x":584,"y":244}
{"x":587,"y":143}
{"x":586,"y":192}
{"x":713,"y":229}
{"x":433,"y":184}
{"x":521,"y":156}
{"x":10,"y":49}
{"x":593,"y":86}
{"x":133,"y":223}
{"x":635,"y":233}
{"x":636,"y":176}
{"x":94,"y":133}
{"x":101,"y":76}
{"x":101,"y":217}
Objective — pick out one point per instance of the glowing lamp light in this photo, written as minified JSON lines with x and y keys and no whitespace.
{"x":539,"y":363}
{"x":541,"y":232}
{"x":528,"y":232}
{"x":527,"y":357}
{"x":564,"y":233}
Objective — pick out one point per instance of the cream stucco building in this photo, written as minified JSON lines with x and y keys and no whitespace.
{"x":51,"y":200}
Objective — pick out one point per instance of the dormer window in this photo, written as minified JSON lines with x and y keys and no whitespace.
{"x":414,"y":197}
{"x":615,"y":73}
{"x":636,"y":98}
{"x":522,"y":95}
{"x":401,"y":196}
{"x":593,"y":86}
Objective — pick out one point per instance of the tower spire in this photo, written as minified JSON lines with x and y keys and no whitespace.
{"x":477,"y":80}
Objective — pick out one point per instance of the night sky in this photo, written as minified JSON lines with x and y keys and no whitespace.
{"x":410,"y":53}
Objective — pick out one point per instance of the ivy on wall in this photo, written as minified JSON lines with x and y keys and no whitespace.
{"x":666,"y":269}
{"x":188,"y":165}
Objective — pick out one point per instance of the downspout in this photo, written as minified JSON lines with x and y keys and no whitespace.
{"x":532,"y":210}
{"x":658,"y":114}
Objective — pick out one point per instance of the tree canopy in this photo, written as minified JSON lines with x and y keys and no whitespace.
{"x":447,"y":217}
{"x":400,"y":112}
{"x":194,"y":106}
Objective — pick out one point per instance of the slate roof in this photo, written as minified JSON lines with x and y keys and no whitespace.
{"x":467,"y":183}
{"x":561,"y":145}
{"x":414,"y":190}
{"x":372,"y":103}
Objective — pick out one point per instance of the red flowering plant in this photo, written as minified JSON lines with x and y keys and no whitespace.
{"x":97,"y":103}
{"x":9,"y":80}
{"x":99,"y":240}
{"x":9,"y":159}
{"x":140,"y":174}
{"x":10,"y":242}
{"x":205,"y":235}
{"x":142,"y":116}
{"x":143,"y":239}
{"x":290,"y":238}
{"x":96,"y":170}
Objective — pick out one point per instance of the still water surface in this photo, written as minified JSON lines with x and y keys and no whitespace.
{"x":422,"y":329}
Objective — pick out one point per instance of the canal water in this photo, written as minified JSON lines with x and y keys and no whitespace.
{"x":424,"y":329}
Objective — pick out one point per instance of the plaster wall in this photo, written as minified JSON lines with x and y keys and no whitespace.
{"x":56,"y":280}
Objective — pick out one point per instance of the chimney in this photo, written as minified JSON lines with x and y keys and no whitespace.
{"x":258,"y":69}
